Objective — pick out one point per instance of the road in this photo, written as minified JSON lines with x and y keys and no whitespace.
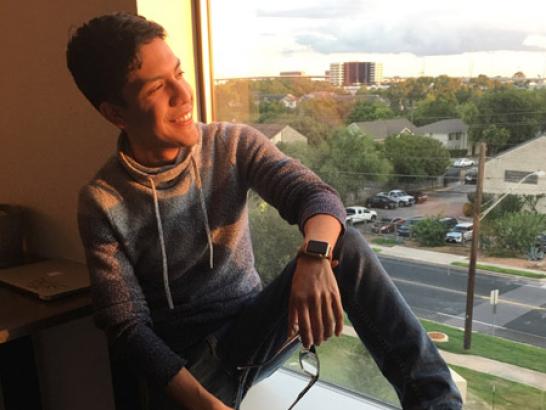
{"x":439,"y":293}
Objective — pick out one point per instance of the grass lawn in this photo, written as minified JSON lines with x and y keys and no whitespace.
{"x":496,"y":348}
{"x":344,"y":362}
{"x":385,"y":241}
{"x":508,"y":271}
{"x":490,"y":392}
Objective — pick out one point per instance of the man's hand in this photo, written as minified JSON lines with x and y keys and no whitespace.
{"x":314,"y":307}
{"x":187,"y":392}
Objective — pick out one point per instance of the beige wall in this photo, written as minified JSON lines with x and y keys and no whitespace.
{"x":529,"y":157}
{"x":52,"y":140}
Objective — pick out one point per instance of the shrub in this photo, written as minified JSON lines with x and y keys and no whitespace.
{"x":510,"y":204}
{"x":468,"y":209}
{"x":275,"y":242}
{"x":512,"y":234}
{"x":430,"y":232}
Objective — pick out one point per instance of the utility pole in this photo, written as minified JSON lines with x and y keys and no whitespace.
{"x":474,"y":250}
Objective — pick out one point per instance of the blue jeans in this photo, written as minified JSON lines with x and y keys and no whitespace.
{"x":381,"y":317}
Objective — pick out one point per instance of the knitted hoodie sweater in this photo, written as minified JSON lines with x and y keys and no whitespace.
{"x":169,"y":250}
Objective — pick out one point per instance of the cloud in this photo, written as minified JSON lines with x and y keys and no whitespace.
{"x":429,"y":39}
{"x":325,"y":9}
{"x":535,"y":40}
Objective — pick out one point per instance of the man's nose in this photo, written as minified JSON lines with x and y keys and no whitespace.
{"x":181,"y":93}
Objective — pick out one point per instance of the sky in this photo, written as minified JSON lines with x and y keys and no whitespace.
{"x":411,"y":38}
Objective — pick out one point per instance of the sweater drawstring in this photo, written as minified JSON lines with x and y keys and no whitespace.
{"x":204,"y":210}
{"x":166,"y":286}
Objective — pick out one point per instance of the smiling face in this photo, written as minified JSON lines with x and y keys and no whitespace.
{"x":157,"y":117}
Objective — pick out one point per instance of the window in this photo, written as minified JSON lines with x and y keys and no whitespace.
{"x":524,"y":177}
{"x":455,"y":136}
{"x":351,"y":77}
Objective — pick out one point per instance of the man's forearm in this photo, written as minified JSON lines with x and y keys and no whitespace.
{"x":322,"y":227}
{"x":187,"y":392}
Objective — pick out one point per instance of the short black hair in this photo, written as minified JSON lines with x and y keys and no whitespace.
{"x":102,"y":52}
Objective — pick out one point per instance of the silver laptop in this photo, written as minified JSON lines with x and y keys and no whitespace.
{"x":47,"y":280}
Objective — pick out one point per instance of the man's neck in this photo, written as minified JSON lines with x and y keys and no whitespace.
{"x":152,"y":159}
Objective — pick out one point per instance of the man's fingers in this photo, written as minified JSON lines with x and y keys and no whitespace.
{"x":292,"y":320}
{"x":317,"y":325}
{"x":305,"y":326}
{"x":338,"y":314}
{"x":328,"y":318}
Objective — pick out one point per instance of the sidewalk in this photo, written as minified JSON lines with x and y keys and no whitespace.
{"x":481,"y":364}
{"x":437,"y":258}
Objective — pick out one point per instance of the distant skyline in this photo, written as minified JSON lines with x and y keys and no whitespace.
{"x":423,"y":37}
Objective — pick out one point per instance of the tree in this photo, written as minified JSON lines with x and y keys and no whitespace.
{"x":274,"y":241}
{"x":495,"y":138}
{"x":430,"y":232}
{"x":512,"y":234}
{"x":369,"y":111}
{"x":271,"y":110}
{"x":512,"y":109}
{"x":416,"y":156}
{"x":349,"y":159}
{"x":434,"y":108}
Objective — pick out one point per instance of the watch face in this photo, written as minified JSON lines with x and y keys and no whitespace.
{"x":318,"y":247}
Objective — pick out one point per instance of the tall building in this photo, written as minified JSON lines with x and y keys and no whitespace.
{"x":355,"y":73}
{"x":377,"y":73}
{"x":336,"y":74}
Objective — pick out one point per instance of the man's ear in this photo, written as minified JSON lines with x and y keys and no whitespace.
{"x":113,"y":113}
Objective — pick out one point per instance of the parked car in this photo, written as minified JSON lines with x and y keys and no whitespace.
{"x":471,"y":178}
{"x":388,"y":225}
{"x":461,"y":233}
{"x":419,"y":196}
{"x":449,"y":222}
{"x":356,"y":214}
{"x":540,"y":241}
{"x":463,"y":163}
{"x":381,"y":201}
{"x":401,"y":197}
{"x":406,"y":228}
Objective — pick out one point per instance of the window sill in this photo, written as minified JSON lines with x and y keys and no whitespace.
{"x":278,"y":391}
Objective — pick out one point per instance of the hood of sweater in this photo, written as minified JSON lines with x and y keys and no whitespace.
{"x":164,"y":177}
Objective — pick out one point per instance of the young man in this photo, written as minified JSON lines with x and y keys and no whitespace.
{"x":165,"y":227}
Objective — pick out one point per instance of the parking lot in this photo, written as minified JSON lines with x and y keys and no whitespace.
{"x":440,"y":203}
{"x":444,"y":203}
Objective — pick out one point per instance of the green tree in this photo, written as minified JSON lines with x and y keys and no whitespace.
{"x":271,"y":110}
{"x":349,"y":159}
{"x":512,"y":109}
{"x":495,"y":138}
{"x":274,"y":241}
{"x":415,"y":155}
{"x":434,"y":108}
{"x":369,"y":111}
{"x":430,"y":232}
{"x":513,"y":233}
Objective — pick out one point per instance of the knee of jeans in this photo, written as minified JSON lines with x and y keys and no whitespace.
{"x":353,"y":244}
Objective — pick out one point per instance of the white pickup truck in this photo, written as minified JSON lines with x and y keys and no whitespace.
{"x":401,"y":197}
{"x":356,"y":214}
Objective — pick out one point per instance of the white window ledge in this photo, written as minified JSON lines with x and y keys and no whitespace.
{"x":281,"y":389}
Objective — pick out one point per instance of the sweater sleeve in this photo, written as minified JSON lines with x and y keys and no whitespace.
{"x":119,"y":303}
{"x":293,"y":189}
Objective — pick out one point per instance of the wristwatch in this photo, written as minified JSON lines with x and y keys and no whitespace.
{"x":316,"y":249}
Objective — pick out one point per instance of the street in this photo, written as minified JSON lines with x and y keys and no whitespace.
{"x":438,"y":293}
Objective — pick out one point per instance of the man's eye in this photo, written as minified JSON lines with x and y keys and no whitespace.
{"x":155,"y":88}
{"x":179,"y":74}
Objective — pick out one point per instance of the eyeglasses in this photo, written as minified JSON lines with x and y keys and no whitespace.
{"x":309,"y":363}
